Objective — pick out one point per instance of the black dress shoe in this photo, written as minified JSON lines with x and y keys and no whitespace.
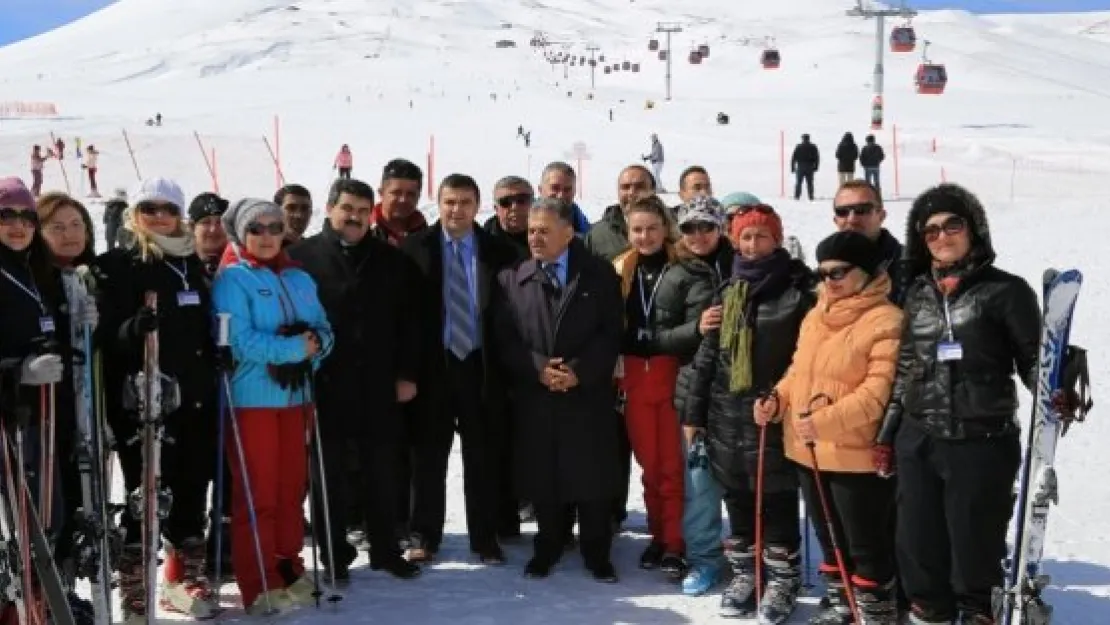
{"x":538,"y":568}
{"x":603,"y":572}
{"x":492,"y":555}
{"x":652,"y":557}
{"x":397,"y":567}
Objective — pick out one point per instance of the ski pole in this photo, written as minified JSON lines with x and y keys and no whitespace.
{"x":318,"y":449}
{"x":316,"y":592}
{"x":769,"y":396}
{"x":219,"y":494}
{"x":224,"y":346}
{"x":830,"y":527}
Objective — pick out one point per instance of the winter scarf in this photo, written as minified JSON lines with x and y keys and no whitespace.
{"x":415,"y":222}
{"x":178,"y":246}
{"x":751,"y":281}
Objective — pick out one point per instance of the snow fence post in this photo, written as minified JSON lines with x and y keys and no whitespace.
{"x":782,"y":164}
{"x":431,"y":166}
{"x":208,"y":163}
{"x":275,"y":152}
{"x":277,"y":164}
{"x":897,"y":163}
{"x":131,"y":151}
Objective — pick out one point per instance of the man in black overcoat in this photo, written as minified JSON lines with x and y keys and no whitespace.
{"x":558,"y":326}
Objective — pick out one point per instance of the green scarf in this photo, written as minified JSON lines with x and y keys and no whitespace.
{"x":736,"y":337}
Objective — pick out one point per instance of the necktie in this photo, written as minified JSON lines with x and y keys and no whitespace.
{"x":462,"y":332}
{"x":552,"y":271}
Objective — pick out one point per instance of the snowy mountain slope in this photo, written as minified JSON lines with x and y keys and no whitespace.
{"x":1021,"y":123}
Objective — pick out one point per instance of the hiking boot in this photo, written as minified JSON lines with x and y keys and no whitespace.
{"x":673,"y":565}
{"x":782,"y":585}
{"x":185,"y":589}
{"x":652,"y":557}
{"x":876,"y":602}
{"x":834,"y":605}
{"x":738,"y":599}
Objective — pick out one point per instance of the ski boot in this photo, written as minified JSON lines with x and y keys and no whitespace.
{"x":186,"y":589}
{"x":784,"y":582}
{"x":132,"y":585}
{"x":738,"y":600}
{"x":834,"y":607}
{"x":82,"y":609}
{"x":700,"y":578}
{"x":299,"y":588}
{"x":876,"y":602}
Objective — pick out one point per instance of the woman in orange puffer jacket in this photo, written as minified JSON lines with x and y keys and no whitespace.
{"x":833,"y":396}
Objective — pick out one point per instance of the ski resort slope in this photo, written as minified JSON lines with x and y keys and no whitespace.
{"x":1022,"y":124}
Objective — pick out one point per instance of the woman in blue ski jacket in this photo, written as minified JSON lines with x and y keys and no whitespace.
{"x":279,"y":334}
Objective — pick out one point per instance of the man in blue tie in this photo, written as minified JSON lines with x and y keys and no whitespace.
{"x":459,"y":381}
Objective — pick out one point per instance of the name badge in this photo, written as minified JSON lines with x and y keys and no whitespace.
{"x":644,"y":334}
{"x":188,"y":298}
{"x":46,"y":324}
{"x":949,"y":351}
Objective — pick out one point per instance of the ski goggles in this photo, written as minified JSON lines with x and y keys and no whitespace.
{"x":9,"y":215}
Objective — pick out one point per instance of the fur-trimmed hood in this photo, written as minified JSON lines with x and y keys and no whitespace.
{"x":951,"y":198}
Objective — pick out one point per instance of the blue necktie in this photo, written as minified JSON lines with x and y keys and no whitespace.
{"x":461,"y":335}
{"x":552,"y":271}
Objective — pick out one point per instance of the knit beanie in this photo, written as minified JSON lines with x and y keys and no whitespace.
{"x":701,"y":209}
{"x":851,"y":247}
{"x":737,"y":199}
{"x":206,"y":205}
{"x":15,"y":194}
{"x":158,"y":190}
{"x":760,"y":215}
{"x":243,"y":213}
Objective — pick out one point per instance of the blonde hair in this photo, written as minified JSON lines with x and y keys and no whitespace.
{"x":144,"y":238}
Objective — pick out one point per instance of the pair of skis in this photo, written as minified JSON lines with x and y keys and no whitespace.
{"x":1060,"y":368}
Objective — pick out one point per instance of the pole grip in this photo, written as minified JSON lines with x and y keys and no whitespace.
{"x":223,"y":329}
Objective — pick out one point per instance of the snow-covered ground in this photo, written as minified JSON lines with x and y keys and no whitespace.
{"x":1021,"y":124}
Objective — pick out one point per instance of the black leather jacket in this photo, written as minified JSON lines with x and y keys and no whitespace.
{"x":995,"y":318}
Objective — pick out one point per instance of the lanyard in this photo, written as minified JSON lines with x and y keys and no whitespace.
{"x":948,"y":319}
{"x":31,"y":291}
{"x":646,"y":304}
{"x":182,"y":273}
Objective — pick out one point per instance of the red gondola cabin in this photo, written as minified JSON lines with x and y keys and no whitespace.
{"x":653,"y":44}
{"x":662,"y":55}
{"x":931,"y":78}
{"x":770,"y":59}
{"x":903,"y":39}
{"x":703,"y":50}
{"x":695,"y":58}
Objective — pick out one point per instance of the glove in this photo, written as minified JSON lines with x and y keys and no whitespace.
{"x":882,"y":456}
{"x":40,"y":370}
{"x":291,"y":376}
{"x":145,"y":321}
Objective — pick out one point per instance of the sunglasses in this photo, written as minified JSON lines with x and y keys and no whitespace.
{"x":836,"y":274}
{"x":697,"y":228}
{"x":8,"y":216}
{"x":865,"y":208}
{"x":762,"y":209}
{"x":151,"y":209}
{"x":507,"y":201}
{"x":952,"y":226}
{"x":273,"y":228}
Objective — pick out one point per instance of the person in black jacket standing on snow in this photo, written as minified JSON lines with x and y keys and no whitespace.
{"x":969,"y":327}
{"x":162,"y":259}
{"x":805,"y":162}
{"x":846,"y":154}
{"x":365,"y":285}
{"x":871,"y":157}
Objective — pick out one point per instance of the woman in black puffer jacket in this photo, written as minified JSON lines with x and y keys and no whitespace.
{"x":969,"y":328}
{"x":764,"y":303}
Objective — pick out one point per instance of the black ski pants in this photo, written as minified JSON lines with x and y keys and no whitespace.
{"x":188,"y":465}
{"x":861,"y":505}
{"x":594,"y":530}
{"x":799,"y":177}
{"x":374,"y":425}
{"x":955,"y":499}
{"x":780,"y":518}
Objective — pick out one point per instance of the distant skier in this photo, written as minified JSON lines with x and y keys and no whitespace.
{"x":344,"y":162}
{"x":870,"y":158}
{"x":528,"y":139}
{"x":77,"y":147}
{"x":655,"y":157}
{"x":158,"y":117}
{"x":846,"y":154}
{"x":59,"y":148}
{"x":803,"y":164}
{"x":90,"y":165}
{"x":37,"y":163}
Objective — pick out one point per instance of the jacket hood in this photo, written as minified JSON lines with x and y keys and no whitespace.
{"x":946,"y":198}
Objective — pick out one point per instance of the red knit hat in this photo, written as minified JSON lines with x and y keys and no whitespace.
{"x":756,"y":215}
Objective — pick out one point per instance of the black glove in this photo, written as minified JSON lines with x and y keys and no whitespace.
{"x":296,"y":328}
{"x":145,"y":321}
{"x":291,"y":376}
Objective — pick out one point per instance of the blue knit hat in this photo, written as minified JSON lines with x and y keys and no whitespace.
{"x":738,"y":198}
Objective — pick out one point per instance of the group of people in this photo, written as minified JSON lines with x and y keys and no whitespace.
{"x":89,"y":159}
{"x":686,"y":337}
{"x":806,"y":161}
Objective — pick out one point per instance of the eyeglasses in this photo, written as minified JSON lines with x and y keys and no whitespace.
{"x":860,"y":210}
{"x":698,"y":227}
{"x":8,"y":216}
{"x":517,"y":198}
{"x":273,"y":228}
{"x":151,"y":209}
{"x":836,"y":274}
{"x":952,"y":226}
{"x":762,"y":209}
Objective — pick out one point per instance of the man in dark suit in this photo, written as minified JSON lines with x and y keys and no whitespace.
{"x":559,"y":324}
{"x":460,"y":380}
{"x":365,"y":286}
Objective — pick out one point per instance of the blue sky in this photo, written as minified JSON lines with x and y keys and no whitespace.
{"x":26,"y":18}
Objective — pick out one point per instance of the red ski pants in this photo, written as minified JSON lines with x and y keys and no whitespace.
{"x":274,"y":450}
{"x":655,"y":437}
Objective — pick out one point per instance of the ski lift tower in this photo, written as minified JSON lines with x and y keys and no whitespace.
{"x":880,"y":16}
{"x":593,"y":49}
{"x":668,"y":28}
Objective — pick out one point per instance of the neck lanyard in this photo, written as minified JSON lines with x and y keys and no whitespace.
{"x":31,"y":291}
{"x":182,"y":273}
{"x":647,"y":303}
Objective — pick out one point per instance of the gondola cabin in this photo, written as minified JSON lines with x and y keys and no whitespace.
{"x":608,"y":69}
{"x":601,"y":58}
{"x":616,"y":67}
{"x":635,"y":68}
{"x":695,"y":58}
{"x":931,"y":78}
{"x":593,"y":63}
{"x":626,"y":65}
{"x":703,"y":50}
{"x":653,"y":44}
{"x":662,"y":55}
{"x":770,"y":59}
{"x":903,"y":39}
